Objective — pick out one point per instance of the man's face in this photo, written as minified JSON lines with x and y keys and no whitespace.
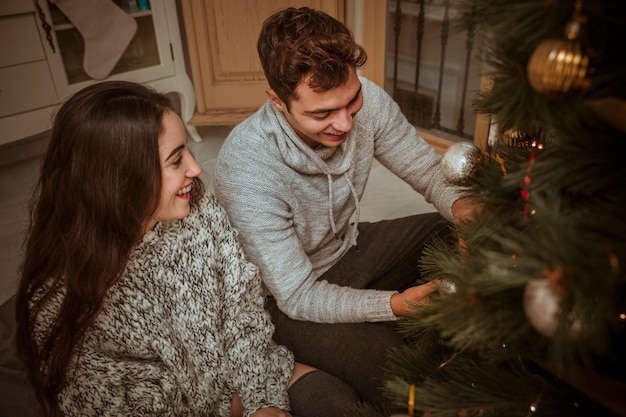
{"x":322,"y":117}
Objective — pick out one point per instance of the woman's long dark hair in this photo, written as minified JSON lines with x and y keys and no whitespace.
{"x":100,"y":180}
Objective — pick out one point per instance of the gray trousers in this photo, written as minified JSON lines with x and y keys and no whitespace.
{"x":388,"y":257}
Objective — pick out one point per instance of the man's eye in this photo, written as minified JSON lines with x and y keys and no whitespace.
{"x":321,"y":116}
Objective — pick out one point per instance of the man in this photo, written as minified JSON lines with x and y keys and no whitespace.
{"x":291,"y":177}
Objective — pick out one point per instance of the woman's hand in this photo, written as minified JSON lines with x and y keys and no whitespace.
{"x":401,"y":304}
{"x":236,"y":409}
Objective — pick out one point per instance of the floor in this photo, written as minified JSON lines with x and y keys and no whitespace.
{"x":385,"y":197}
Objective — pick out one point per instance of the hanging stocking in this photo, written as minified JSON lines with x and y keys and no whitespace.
{"x":106,"y":29}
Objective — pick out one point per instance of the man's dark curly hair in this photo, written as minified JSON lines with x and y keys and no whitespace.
{"x":302,"y":42}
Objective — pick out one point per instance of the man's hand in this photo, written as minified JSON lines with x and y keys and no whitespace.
{"x":401,"y":304}
{"x":465,"y":210}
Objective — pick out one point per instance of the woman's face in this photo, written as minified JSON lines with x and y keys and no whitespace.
{"x":178,"y":169}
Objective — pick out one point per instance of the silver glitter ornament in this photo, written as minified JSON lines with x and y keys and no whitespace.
{"x":447,"y":287}
{"x":460,"y":162}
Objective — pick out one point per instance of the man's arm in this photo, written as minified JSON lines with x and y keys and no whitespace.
{"x":255,"y":198}
{"x":400,"y":149}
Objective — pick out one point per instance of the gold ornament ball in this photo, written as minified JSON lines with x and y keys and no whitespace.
{"x":558,"y":66}
{"x":514,"y":138}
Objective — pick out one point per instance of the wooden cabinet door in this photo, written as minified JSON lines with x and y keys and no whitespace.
{"x":222,"y":35}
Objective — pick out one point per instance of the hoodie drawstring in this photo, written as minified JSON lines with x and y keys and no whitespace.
{"x":331,"y":215}
{"x":357,"y":211}
{"x":331,"y":212}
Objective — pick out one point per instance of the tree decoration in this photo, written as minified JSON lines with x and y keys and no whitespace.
{"x":537,"y":326}
{"x":525,"y":191}
{"x":542,"y":304}
{"x":460,"y":162}
{"x":447,"y":287}
{"x":514,"y":138}
{"x":559,"y":65}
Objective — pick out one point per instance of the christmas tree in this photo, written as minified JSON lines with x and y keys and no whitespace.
{"x":530,"y":318}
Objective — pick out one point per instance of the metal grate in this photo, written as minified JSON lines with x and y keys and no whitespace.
{"x":432,"y":68}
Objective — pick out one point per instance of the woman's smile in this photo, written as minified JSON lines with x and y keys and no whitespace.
{"x":184,"y":192}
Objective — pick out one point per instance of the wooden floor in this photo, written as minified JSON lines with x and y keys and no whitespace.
{"x":385,"y":196}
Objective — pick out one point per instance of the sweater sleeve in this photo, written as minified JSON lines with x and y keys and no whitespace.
{"x":260,"y":368}
{"x":183,"y":329}
{"x":399,"y":148}
{"x":252,"y":186}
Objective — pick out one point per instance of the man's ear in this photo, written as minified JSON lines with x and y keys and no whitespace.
{"x":276,"y":101}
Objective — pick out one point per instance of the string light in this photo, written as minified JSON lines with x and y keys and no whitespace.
{"x":527,"y":180}
{"x":533,"y":406}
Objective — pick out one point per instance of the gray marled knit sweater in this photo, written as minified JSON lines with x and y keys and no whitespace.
{"x":181,"y":331}
{"x":297,"y":207}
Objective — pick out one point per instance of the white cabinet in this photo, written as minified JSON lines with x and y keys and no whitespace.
{"x":41,"y":63}
{"x":25,"y":80}
{"x":27,"y":91}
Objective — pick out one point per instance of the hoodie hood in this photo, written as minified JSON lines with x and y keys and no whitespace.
{"x":306,"y":160}
{"x":331,"y":162}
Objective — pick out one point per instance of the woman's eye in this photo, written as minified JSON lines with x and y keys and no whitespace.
{"x":178,"y":160}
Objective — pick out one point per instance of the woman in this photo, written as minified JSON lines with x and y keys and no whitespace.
{"x":135,"y":297}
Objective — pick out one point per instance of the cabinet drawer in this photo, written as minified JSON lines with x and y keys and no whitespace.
{"x":21,"y":43}
{"x":26,"y":87}
{"x":8,"y":7}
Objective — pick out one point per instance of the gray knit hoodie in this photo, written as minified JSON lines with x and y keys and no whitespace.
{"x":297,"y":208}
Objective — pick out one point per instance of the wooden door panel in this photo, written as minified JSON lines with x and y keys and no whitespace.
{"x":222,"y":35}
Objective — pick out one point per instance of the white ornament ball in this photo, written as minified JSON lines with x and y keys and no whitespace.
{"x":460,"y":162}
{"x":542,"y":308}
{"x":541,"y":305}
